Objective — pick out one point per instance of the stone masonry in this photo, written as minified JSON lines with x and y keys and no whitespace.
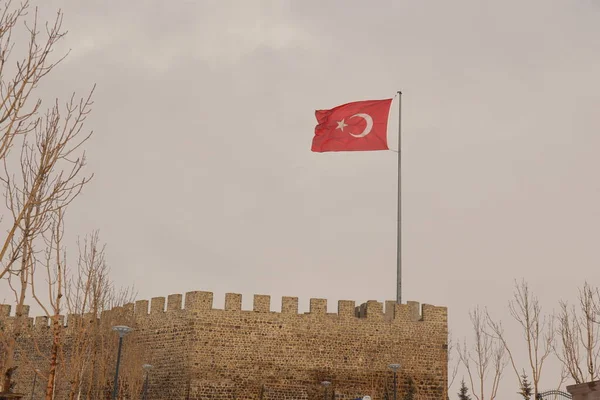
{"x":199,"y":352}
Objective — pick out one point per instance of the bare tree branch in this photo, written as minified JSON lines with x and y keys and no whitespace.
{"x":577,"y":327}
{"x":452,"y":364}
{"x":537,"y":330}
{"x":485,"y":357}
{"x":48,"y":174}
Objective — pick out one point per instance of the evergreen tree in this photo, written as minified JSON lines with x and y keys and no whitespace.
{"x":463,"y":394}
{"x":526,"y":390}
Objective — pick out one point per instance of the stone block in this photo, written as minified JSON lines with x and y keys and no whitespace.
{"x":346,"y":308}
{"x":318,"y":306}
{"x":41,"y":322}
{"x":233,"y":301}
{"x":4,"y":310}
{"x":174,"y":302}
{"x":289,"y":305}
{"x":141,"y":307}
{"x":157,"y":305}
{"x":198,"y":300}
{"x":262,"y":303}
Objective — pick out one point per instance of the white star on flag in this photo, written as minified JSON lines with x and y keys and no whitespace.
{"x":341,"y":125}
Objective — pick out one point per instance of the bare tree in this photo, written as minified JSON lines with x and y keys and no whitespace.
{"x":579,"y":337}
{"x":90,"y":293}
{"x":54,"y":263}
{"x":78,"y":360}
{"x":22,"y":68}
{"x":537,"y":330}
{"x":48,"y":175}
{"x":452,"y":364}
{"x":49,"y":178}
{"x":87,"y":298}
{"x":564,"y":375}
{"x":483,"y":360}
{"x":18,"y":285}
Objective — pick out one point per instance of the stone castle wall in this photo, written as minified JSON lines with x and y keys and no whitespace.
{"x":199,"y":352}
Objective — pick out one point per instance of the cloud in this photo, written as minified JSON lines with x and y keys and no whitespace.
{"x":205,"y":111}
{"x":156,"y":36}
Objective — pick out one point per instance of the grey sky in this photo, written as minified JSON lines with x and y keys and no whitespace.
{"x":204,"y":116}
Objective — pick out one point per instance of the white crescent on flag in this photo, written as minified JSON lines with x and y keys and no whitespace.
{"x":369,"y":126}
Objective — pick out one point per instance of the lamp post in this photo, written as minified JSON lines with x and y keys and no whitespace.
{"x":325,"y":385}
{"x":122,"y":331}
{"x":395,"y":368}
{"x":35,"y":374}
{"x":147,"y":368}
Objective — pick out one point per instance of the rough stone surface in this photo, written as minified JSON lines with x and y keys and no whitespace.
{"x":199,"y":352}
{"x":585,"y":391}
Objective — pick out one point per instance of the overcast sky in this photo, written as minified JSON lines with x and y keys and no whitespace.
{"x":204,"y":178}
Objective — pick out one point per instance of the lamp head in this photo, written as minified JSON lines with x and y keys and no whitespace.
{"x":122,"y":330}
{"x":394,"y":367}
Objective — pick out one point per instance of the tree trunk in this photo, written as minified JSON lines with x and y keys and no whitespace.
{"x":53,"y":358}
{"x":6,"y":376}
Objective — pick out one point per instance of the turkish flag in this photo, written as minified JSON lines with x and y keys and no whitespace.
{"x":357,"y":126}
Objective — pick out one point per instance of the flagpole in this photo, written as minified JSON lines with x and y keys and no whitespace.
{"x":399,"y":244}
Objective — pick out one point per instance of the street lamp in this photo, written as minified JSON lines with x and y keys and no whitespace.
{"x":35,"y":374}
{"x":395,"y":368}
{"x":122,"y":330}
{"x":147,"y":368}
{"x":325,"y":385}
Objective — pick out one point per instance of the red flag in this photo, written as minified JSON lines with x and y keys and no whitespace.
{"x":357,"y":126}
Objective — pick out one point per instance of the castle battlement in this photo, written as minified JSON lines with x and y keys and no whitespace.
{"x":202,"y":302}
{"x":199,"y":351}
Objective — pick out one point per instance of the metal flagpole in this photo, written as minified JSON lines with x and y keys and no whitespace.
{"x":399,"y":248}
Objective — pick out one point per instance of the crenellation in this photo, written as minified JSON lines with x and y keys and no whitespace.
{"x":157,"y":305}
{"x":141,"y":308}
{"x":291,"y":347}
{"x":233,"y":301}
{"x":390,"y":310}
{"x":318,"y":306}
{"x":128,"y":310}
{"x":115,"y":314}
{"x":88,"y":317}
{"x":289,"y":305}
{"x":41,"y":322}
{"x":262,"y":303}
{"x":104,"y":316}
{"x":22,"y":311}
{"x":4,"y":310}
{"x":401,"y":313}
{"x":199,"y":300}
{"x":374,"y":310}
{"x":346,"y":308}
{"x":73,"y":320}
{"x":434,"y":313}
{"x":360,"y":311}
{"x":414,"y":311}
{"x":174,"y":302}
{"x":110,"y":317}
